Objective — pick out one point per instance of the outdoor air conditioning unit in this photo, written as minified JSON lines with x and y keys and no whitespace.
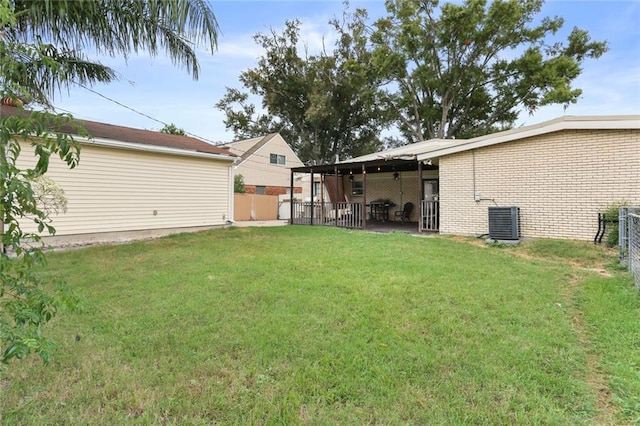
{"x":504,"y":223}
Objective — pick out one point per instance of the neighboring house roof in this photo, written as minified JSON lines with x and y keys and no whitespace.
{"x":254,"y":145}
{"x":612,"y":122}
{"x":103,"y":133}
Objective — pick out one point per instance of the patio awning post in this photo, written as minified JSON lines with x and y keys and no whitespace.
{"x":421,"y":192}
{"x":363,"y":214}
{"x":291,"y":200}
{"x":312,"y":203}
{"x":337,"y":191}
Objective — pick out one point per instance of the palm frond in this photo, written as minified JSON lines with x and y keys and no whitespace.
{"x":37,"y":72}
{"x":120,"y":27}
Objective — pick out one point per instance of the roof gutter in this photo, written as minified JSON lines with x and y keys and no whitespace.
{"x":154,"y":149}
{"x":565,"y":123}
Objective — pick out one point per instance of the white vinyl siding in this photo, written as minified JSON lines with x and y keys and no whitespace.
{"x":259,"y":170}
{"x":116,"y":190}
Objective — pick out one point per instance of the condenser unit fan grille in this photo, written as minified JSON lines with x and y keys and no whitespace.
{"x":504,"y":223}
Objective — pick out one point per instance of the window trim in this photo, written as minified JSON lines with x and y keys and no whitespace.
{"x":279,"y":159}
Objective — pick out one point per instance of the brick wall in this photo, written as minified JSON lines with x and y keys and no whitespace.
{"x":272,"y":190}
{"x":560,"y":181}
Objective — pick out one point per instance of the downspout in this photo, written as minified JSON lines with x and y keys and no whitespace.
{"x":476,"y":196}
{"x":232,"y":195}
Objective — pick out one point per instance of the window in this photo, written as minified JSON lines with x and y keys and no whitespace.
{"x":277,"y":159}
{"x":261,"y":190}
{"x":316,"y":189}
{"x":356,"y":187}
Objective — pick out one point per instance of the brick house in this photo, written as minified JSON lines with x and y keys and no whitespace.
{"x":559,"y":174}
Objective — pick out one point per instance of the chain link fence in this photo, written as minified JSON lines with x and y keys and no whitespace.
{"x":623,"y":231}
{"x":633,"y":227}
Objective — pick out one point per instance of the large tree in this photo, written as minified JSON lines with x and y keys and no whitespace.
{"x":41,"y":46}
{"x":325,"y":104}
{"x":462,"y":70}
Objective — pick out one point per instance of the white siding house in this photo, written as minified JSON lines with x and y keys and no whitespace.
{"x":264,"y":163}
{"x":134,"y":183}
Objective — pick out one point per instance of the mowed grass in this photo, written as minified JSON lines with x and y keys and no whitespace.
{"x":312,"y":325}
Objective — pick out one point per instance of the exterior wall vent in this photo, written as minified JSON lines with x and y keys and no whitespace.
{"x":504,"y":223}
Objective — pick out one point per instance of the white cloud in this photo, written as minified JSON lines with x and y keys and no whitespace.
{"x":239,"y":47}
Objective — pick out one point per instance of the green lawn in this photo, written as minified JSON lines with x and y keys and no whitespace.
{"x":315,"y":325}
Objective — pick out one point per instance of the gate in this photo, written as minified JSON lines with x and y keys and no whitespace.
{"x":255,"y":207}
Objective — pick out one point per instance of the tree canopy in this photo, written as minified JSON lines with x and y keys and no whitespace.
{"x":172,"y":129}
{"x":455,"y":70}
{"x":325,"y":105}
{"x":463,"y":70}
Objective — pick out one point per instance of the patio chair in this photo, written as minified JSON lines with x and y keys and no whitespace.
{"x":405,"y":213}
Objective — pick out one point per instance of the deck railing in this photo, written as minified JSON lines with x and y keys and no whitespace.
{"x":430,"y":213}
{"x":344,"y":215}
{"x":349,"y":215}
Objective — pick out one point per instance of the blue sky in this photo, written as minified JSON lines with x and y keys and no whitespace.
{"x":158,"y":89}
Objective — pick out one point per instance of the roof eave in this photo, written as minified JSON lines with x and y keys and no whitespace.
{"x":622,"y":122}
{"x":154,"y":149}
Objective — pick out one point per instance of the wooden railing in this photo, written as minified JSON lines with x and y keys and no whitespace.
{"x":430,"y":214}
{"x":349,"y":215}
{"x":344,"y":215}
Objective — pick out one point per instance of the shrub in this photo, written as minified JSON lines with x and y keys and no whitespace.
{"x":238,"y":184}
{"x":611,"y":215}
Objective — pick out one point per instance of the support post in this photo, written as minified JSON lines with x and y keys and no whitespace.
{"x":291,"y":200}
{"x":364,"y":197}
{"x":321,"y":197}
{"x":312,"y":206}
{"x":336,"y":192}
{"x":421,"y":192}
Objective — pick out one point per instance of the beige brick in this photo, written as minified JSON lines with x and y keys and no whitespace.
{"x":560,"y":181}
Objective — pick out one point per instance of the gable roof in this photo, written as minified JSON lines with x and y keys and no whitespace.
{"x":247,"y":147}
{"x":103,"y":133}
{"x":611,"y":122}
{"x":255,"y":144}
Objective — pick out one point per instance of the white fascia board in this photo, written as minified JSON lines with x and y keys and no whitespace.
{"x":153,"y":148}
{"x":405,"y":152}
{"x":564,"y":123}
